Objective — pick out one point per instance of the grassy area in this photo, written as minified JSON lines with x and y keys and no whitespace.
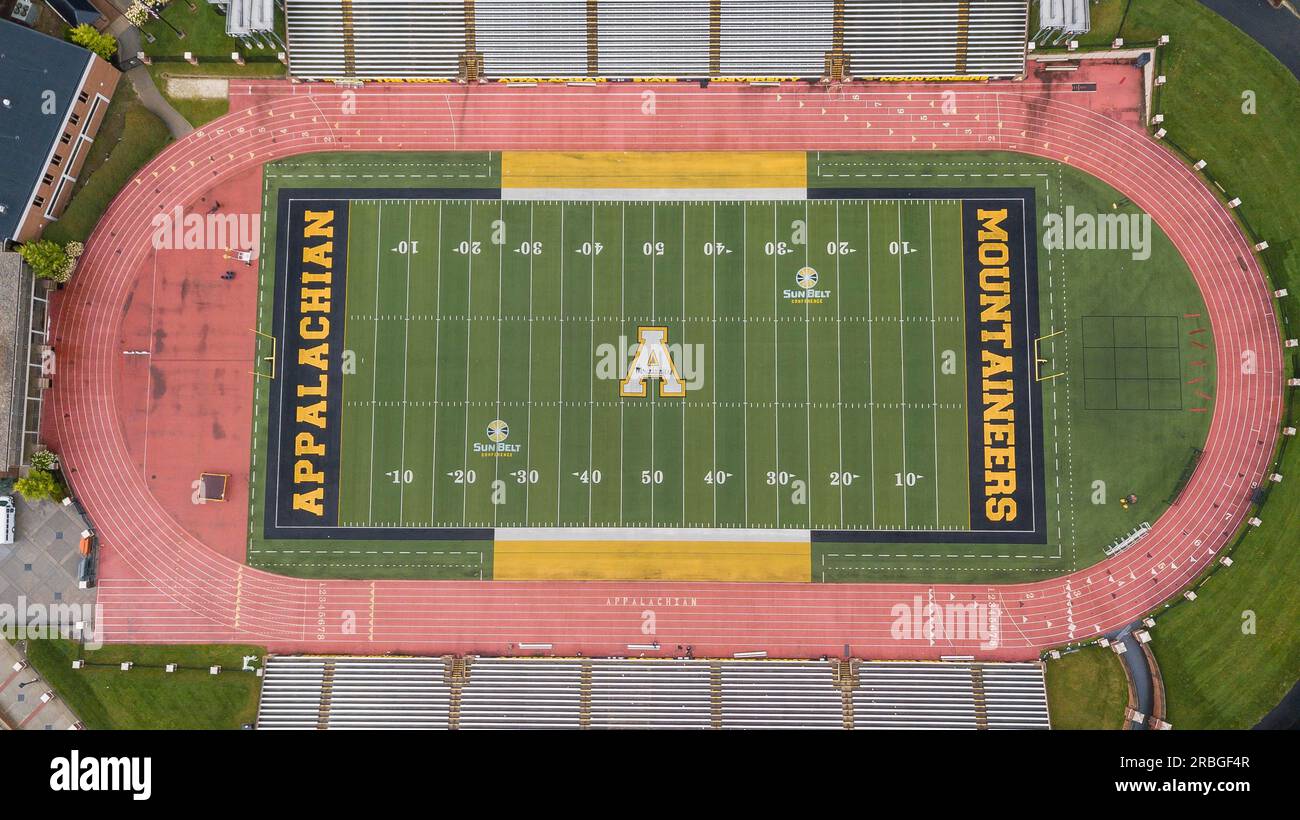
{"x":205,"y":38}
{"x":198,"y":112}
{"x":104,"y":697}
{"x":1086,"y":690}
{"x":1144,"y":455}
{"x":128,"y":138}
{"x":1106,"y":16}
{"x":1215,"y":675}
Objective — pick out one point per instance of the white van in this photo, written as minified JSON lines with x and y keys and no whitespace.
{"x":8,"y":518}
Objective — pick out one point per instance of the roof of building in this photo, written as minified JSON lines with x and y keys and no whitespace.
{"x":39,"y":78}
{"x":76,"y":12}
{"x":15,"y":333}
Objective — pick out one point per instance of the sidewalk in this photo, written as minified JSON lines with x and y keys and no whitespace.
{"x":21,"y":706}
{"x":128,"y":45}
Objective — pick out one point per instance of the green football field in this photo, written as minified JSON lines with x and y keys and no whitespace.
{"x":471,"y":324}
{"x":824,"y":412}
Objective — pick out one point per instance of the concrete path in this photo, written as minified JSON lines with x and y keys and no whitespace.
{"x":21,"y":706}
{"x":1277,"y":30}
{"x":128,"y":45}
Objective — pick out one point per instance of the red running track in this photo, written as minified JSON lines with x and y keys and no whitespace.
{"x":160,"y":583}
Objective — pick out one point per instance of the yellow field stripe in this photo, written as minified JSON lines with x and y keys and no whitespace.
{"x":651,"y":561}
{"x":654,"y":169}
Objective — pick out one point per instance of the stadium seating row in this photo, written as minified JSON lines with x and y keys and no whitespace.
{"x":308,"y":692}
{"x":386,"y":39}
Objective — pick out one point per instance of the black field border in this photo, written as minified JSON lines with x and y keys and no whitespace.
{"x":1028,"y":391}
{"x":289,"y":245}
{"x":280,"y":436}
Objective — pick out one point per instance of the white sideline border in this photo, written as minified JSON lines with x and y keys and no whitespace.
{"x":792,"y":536}
{"x":654,"y":194}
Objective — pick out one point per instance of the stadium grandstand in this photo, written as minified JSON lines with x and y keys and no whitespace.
{"x":470,"y":40}
{"x":326,"y":692}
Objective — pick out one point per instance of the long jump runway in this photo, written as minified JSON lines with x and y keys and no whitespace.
{"x":161,"y":584}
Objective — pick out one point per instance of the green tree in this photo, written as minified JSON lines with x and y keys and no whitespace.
{"x":86,"y":36}
{"x":39,"y":485}
{"x":47,"y":259}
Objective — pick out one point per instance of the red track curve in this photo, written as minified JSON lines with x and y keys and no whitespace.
{"x":164,"y":585}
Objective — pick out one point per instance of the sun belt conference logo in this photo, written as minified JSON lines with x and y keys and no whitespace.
{"x":497,"y":432}
{"x":807,"y":294}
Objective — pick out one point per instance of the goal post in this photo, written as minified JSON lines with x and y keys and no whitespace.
{"x":1039,"y":361}
{"x":264,"y":352}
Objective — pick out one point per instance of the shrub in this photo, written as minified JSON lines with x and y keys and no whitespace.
{"x":47,"y":259}
{"x":86,"y":36}
{"x":39,"y":485}
{"x":45,"y":460}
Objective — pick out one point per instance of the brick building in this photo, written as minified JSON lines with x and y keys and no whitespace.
{"x":53,"y":96}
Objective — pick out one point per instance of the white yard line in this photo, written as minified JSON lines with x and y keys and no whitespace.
{"x":406,"y":348}
{"x":902,"y":359}
{"x":651,"y":394}
{"x":744,"y":341}
{"x":559,"y":438}
{"x":839,"y":367}
{"x":622,"y":311}
{"x":807,"y":374}
{"x":437,"y":348}
{"x":776,"y":362}
{"x":528,"y":422}
{"x":713,"y":367}
{"x":934,"y":377}
{"x":871,"y":371}
{"x":682,"y":405}
{"x":591,"y":358}
{"x":374,"y":380}
{"x":501,"y":263}
{"x":469,"y":335}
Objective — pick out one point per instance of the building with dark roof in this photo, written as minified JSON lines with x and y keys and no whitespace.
{"x":76,"y":12}
{"x":53,"y":96}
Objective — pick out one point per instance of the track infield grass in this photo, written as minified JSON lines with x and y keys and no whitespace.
{"x":1131,"y":440}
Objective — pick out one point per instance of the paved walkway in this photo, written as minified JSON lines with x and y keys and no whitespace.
{"x":1277,"y":30}
{"x":21,"y":706}
{"x":41,"y":565}
{"x":128,"y":44}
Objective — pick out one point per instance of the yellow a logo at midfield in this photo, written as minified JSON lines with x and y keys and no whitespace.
{"x":652,"y":361}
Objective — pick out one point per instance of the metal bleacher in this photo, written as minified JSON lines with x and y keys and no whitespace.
{"x":309,"y":692}
{"x":627,"y":39}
